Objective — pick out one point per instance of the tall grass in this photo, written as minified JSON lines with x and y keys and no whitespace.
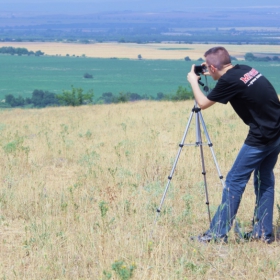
{"x":80,"y":187}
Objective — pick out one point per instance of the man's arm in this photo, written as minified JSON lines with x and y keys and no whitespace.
{"x":202,"y":100}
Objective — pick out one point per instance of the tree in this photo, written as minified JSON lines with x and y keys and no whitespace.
{"x":10,"y":99}
{"x":75,"y":97}
{"x":37,"y":97}
{"x":249,"y":57}
{"x":42,"y":98}
{"x":49,"y":99}
{"x":38,"y":53}
{"x":19,"y":101}
{"x":160,"y":96}
{"x":107,"y":98}
{"x":21,"y":51}
{"x":134,"y":96}
{"x":122,"y":98}
{"x":14,"y":101}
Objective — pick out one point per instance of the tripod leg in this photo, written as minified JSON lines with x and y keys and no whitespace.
{"x":199,"y":143}
{"x":237,"y":228}
{"x":181,"y":145}
{"x":210,"y":144}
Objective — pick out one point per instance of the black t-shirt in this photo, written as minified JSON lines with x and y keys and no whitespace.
{"x":255,"y":101}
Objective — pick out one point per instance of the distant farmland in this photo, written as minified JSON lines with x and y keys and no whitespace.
{"x":20,"y":75}
{"x":147,"y":51}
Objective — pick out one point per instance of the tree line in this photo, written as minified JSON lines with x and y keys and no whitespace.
{"x":41,"y":99}
{"x":77,"y":97}
{"x":252,"y":57}
{"x":19,"y":51}
{"x":181,"y":93}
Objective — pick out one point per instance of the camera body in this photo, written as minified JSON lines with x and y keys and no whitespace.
{"x":200,"y":69}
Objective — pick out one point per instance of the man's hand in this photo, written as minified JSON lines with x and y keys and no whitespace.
{"x":192,"y":77}
{"x":200,"y":98}
{"x":207,"y":70}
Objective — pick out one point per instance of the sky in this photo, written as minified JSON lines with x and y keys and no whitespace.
{"x":93,"y":6}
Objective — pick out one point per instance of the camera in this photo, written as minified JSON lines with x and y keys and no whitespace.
{"x":200,"y":69}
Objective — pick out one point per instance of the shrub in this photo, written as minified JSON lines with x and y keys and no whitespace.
{"x":75,"y":97}
{"x":181,"y":94}
{"x":88,"y":76}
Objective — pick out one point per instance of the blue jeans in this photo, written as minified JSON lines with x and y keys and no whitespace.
{"x":261,"y":160}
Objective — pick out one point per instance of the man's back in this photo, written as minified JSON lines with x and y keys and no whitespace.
{"x":254,"y":99}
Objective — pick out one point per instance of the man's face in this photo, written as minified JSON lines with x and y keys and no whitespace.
{"x":212,"y":71}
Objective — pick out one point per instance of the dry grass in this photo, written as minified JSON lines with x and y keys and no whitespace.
{"x":131,"y":51}
{"x":80,"y":186}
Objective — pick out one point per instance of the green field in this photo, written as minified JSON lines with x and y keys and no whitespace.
{"x":20,"y":75}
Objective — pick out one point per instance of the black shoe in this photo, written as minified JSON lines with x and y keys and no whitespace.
{"x":249,"y":236}
{"x":206,"y":238}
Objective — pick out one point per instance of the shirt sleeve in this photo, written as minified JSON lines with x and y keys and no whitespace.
{"x":223,"y":92}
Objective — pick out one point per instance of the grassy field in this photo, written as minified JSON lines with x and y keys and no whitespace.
{"x":80,"y":187}
{"x":162,"y":69}
{"x":21,"y":75}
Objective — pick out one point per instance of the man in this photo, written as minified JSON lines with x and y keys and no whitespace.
{"x":255,"y":101}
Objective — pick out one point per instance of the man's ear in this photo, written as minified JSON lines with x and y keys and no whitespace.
{"x":213,"y":69}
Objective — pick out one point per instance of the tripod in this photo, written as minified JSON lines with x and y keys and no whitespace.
{"x":199,"y":121}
